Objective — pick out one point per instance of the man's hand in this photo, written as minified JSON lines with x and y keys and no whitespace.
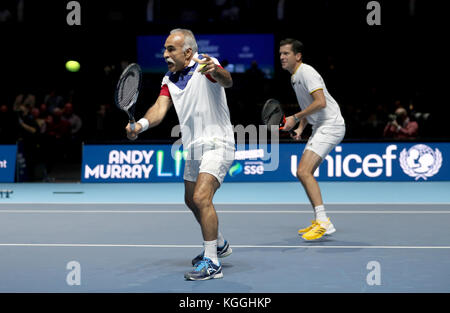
{"x":133,"y":134}
{"x":219,"y":74}
{"x":298,"y":134}
{"x":290,"y":123}
{"x":207,"y":65}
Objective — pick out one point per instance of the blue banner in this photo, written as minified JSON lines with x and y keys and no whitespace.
{"x":347,"y":162}
{"x":240,"y":50}
{"x":131,"y":163}
{"x":7,"y":163}
{"x":355,"y":162}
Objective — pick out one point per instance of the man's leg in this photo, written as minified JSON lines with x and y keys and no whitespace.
{"x":204,"y":191}
{"x":305,"y":173}
{"x":189,"y":188}
{"x":205,"y":188}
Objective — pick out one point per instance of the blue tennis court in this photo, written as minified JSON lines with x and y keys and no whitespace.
{"x":391,"y":237}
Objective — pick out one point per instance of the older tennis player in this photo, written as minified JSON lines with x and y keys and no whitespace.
{"x":195,"y":85}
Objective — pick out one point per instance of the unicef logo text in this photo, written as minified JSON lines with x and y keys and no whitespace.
{"x":420,"y":161}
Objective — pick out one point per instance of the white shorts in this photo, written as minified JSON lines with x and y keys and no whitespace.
{"x":214,"y":161}
{"x":324,"y":138}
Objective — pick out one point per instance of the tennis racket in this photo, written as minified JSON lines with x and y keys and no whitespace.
{"x":272,"y":115}
{"x":127,"y":91}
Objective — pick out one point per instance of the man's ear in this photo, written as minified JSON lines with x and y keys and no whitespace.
{"x":298,"y":57}
{"x":188,"y":53}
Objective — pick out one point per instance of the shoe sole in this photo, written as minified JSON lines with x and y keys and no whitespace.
{"x":215,"y":276}
{"x":328,"y":232}
{"x":321,"y":237}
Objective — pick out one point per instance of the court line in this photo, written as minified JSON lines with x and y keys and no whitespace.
{"x":224,"y":211}
{"x":85,"y":245}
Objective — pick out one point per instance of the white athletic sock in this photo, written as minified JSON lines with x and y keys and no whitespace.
{"x":320,"y":214}
{"x":211,"y":250}
{"x":220,"y":240}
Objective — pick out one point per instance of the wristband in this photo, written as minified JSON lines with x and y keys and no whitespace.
{"x":144,"y":122}
{"x":296,"y":119}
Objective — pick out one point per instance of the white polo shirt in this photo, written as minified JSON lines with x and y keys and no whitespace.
{"x":305,"y":81}
{"x":201,"y":106}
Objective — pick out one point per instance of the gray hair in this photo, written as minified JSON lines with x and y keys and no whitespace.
{"x":189,"y":39}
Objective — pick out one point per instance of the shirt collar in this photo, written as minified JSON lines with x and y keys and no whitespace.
{"x":188,"y":68}
{"x":192,"y":63}
{"x":296,"y":69}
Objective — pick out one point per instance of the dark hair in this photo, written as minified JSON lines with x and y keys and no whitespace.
{"x":296,"y":45}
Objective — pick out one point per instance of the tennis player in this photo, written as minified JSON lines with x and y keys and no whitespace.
{"x":319,"y":109}
{"x":195,"y":85}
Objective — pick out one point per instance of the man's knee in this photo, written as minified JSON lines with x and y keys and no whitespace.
{"x":201,"y":199}
{"x":303,"y":173}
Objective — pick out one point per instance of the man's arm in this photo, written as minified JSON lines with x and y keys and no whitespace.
{"x":410,"y":130}
{"x":222,"y":76}
{"x":154,"y":115}
{"x":318,"y":104}
{"x":300,"y":128}
{"x":217,"y":72}
{"x":302,"y":124}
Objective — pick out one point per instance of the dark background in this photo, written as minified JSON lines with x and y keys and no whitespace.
{"x":369,"y":70}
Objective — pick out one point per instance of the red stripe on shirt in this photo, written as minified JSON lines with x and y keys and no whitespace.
{"x":165,"y":91}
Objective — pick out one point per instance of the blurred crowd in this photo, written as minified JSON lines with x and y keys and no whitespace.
{"x":47,"y":132}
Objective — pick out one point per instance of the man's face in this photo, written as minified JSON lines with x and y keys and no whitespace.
{"x":288,"y":58}
{"x":175,"y":57}
{"x":401,"y":115}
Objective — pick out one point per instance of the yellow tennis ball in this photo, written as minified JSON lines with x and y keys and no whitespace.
{"x":72,"y":66}
{"x":201,"y":68}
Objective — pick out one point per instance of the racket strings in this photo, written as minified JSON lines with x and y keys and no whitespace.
{"x":128,"y":90}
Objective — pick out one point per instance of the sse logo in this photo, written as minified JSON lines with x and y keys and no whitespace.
{"x":235,"y":169}
{"x":249,"y":168}
{"x":253,"y":168}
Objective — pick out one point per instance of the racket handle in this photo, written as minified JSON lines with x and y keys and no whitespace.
{"x":291,"y":131}
{"x":132,"y":125}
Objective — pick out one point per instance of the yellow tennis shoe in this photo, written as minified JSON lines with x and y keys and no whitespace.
{"x":307,"y":229}
{"x":318,"y":229}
